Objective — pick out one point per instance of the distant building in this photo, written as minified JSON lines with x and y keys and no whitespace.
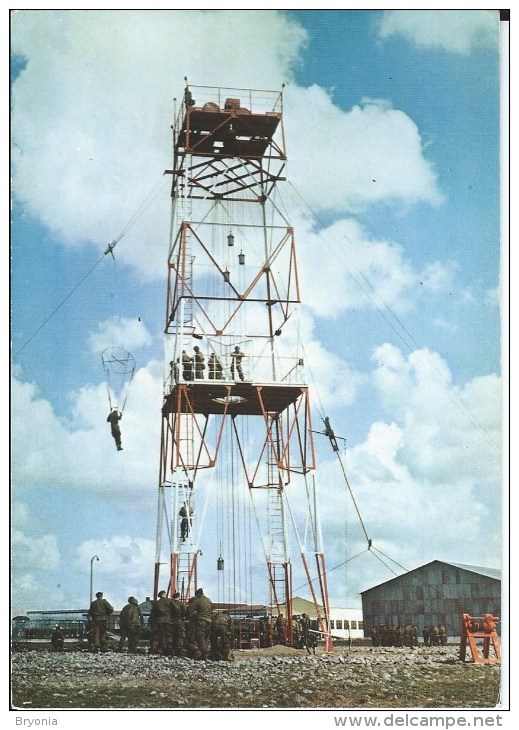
{"x":345,"y":623}
{"x":433,"y":594}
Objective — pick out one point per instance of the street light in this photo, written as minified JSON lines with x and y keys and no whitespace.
{"x":92,"y":576}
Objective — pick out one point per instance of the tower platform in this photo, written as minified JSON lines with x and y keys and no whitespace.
{"x":232,"y":398}
{"x":231,"y":131}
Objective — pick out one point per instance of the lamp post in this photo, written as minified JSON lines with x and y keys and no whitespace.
{"x":92,"y":576}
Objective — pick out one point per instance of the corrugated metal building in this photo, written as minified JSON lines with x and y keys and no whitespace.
{"x":433,"y":594}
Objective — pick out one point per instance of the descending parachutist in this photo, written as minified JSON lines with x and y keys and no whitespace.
{"x":113,"y":418}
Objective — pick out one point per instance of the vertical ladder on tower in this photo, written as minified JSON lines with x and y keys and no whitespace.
{"x":277,"y":534}
{"x":184,"y":553}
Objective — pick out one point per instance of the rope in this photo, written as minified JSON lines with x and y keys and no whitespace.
{"x":109,"y":250}
{"x":54,"y":311}
{"x":390,"y":317}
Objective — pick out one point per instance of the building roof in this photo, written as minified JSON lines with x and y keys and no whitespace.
{"x":488,"y":572}
{"x":493,"y":573}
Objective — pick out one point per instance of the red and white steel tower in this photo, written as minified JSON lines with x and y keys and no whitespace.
{"x":236,"y":438}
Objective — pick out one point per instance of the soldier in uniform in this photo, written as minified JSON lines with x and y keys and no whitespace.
{"x":199,"y":364}
{"x":221,"y":636}
{"x":187,"y":366}
{"x":186,"y":513}
{"x":236,"y":357}
{"x":178,"y":614}
{"x":442,"y":635}
{"x":215,"y":367}
{"x":113,"y":419}
{"x":296,"y":632}
{"x":204,"y":612}
{"x":57,"y":639}
{"x":305,"y":632}
{"x":164,"y":623}
{"x":130,"y":622}
{"x":281,"y":629}
{"x":190,"y":627}
{"x":100,"y":611}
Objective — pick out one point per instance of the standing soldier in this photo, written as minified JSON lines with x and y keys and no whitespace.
{"x":100,"y":611}
{"x":305,"y":631}
{"x":296,"y":631}
{"x":199,"y":364}
{"x":187,"y":366}
{"x":204,"y":611}
{"x":281,"y":629}
{"x":190,"y":628}
{"x":178,"y":614}
{"x":236,"y":357}
{"x":130,"y":622}
{"x":375,"y":637}
{"x":442,"y":635}
{"x":164,"y":623}
{"x":57,"y":639}
{"x":221,"y":636}
{"x":215,"y":367}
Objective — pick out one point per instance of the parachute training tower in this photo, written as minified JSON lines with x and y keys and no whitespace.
{"x":236,"y":442}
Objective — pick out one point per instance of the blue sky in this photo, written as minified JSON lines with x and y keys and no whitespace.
{"x":392,"y":125}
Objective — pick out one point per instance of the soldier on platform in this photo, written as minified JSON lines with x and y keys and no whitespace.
{"x":215,"y":367}
{"x":236,"y":357}
{"x":199,"y":362}
{"x":187,"y":366}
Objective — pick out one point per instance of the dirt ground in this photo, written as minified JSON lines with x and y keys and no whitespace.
{"x":280,"y":677}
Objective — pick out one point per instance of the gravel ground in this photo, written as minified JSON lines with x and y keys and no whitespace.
{"x":356,"y":677}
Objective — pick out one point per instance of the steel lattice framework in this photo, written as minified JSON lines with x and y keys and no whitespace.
{"x":231,"y":290}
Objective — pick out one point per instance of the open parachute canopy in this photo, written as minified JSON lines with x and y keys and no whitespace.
{"x":119,"y":367}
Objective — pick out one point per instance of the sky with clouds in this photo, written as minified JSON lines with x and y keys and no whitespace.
{"x":392,"y":128}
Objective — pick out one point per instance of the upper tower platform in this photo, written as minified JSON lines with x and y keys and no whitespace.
{"x":219,"y":124}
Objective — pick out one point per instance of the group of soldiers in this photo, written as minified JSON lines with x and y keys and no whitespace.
{"x":434,"y":635}
{"x":304,"y":632}
{"x":193,"y":366}
{"x":177,"y":629}
{"x":192,"y":629}
{"x":407,"y":635}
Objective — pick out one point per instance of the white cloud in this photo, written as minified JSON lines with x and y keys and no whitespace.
{"x":454,"y":31}
{"x":123,"y":568}
{"x":36,"y":553}
{"x":427,"y":481}
{"x":61,"y":451}
{"x":374,"y":153}
{"x":342,"y":268}
{"x":100,"y":138}
{"x":119,"y":332}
